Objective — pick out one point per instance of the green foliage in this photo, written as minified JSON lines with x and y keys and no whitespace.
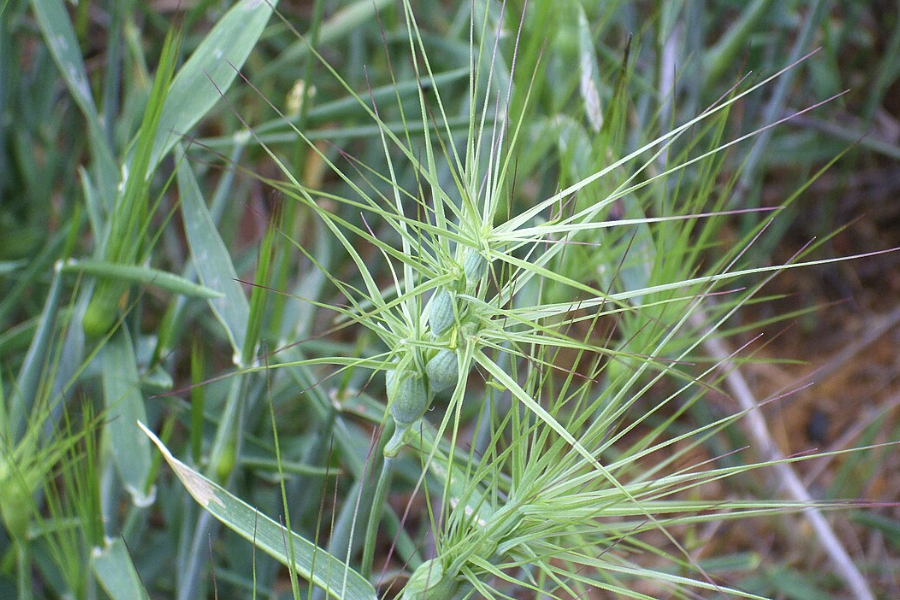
{"x":427,"y":312}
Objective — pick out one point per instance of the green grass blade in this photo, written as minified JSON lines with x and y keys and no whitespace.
{"x":310,"y":561}
{"x":589,"y":82}
{"x":213,"y":261}
{"x":338,"y":26}
{"x":60,"y":36}
{"x":888,"y":527}
{"x":122,"y":392}
{"x":94,"y":204}
{"x":133,"y":206}
{"x":143,"y":275}
{"x":726,"y":53}
{"x":116,"y":573}
{"x":258,"y":296}
{"x":28,"y":381}
{"x":210,"y":71}
{"x":127,"y":236}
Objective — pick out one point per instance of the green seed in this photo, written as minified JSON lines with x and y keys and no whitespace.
{"x":223,"y":463}
{"x":618,"y":370}
{"x":474,"y":266}
{"x":441,"y":315}
{"x":428,"y":582}
{"x":100,"y":315}
{"x":408,"y":396}
{"x":16,"y":503}
{"x":443,"y":370}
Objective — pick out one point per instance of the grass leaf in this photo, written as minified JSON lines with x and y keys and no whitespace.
{"x":138,"y":274}
{"x":313,"y":563}
{"x":57,"y":29}
{"x":210,"y":71}
{"x":213,"y":261}
{"x":116,"y":572}
{"x":122,"y":392}
{"x":28,"y":382}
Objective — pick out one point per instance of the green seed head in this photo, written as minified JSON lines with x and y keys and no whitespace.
{"x":408,"y":396}
{"x":16,"y":502}
{"x":428,"y":582}
{"x":443,"y":370}
{"x":474,"y":266}
{"x":224,"y":462}
{"x":619,"y":370}
{"x":442,"y":313}
{"x":99,"y":317}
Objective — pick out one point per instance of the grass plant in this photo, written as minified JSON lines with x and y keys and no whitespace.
{"x":476,"y":344}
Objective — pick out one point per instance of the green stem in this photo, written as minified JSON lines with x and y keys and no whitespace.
{"x":384,"y":484}
{"x":284,"y":260}
{"x":23,"y":580}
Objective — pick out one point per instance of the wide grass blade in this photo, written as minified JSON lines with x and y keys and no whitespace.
{"x":589,"y":82}
{"x":310,"y":561}
{"x":60,"y":36}
{"x":28,"y":381}
{"x":210,"y":71}
{"x":116,"y":573}
{"x":122,"y":392}
{"x":213,"y":261}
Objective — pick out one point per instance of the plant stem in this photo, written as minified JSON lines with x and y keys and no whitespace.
{"x":381,"y":492}
{"x":23,"y":582}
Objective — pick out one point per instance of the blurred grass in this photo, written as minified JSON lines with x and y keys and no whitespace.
{"x":86,"y":173}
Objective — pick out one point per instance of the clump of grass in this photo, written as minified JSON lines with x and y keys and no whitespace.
{"x":557,"y":496}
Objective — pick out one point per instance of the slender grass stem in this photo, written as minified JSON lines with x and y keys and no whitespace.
{"x":378,"y":502}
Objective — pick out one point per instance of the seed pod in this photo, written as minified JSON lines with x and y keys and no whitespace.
{"x":441,"y":316}
{"x":443,"y":370}
{"x":408,"y":396}
{"x":428,"y":582}
{"x":474,"y":266}
{"x":618,"y":370}
{"x":223,"y":462}
{"x":100,"y":314}
{"x":16,"y":503}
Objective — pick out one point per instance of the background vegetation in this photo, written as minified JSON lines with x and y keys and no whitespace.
{"x":154,"y":257}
